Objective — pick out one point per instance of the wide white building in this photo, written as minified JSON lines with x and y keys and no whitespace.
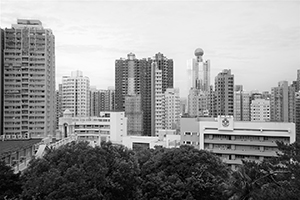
{"x":75,"y":94}
{"x":110,"y":126}
{"x":164,"y":138}
{"x":233,"y":140}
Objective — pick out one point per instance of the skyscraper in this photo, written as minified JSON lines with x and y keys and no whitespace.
{"x":199,"y":87}
{"x":101,"y":100}
{"x":199,"y":72}
{"x":29,"y":80}
{"x":133,"y":104}
{"x":296,"y":83}
{"x":75,"y":94}
{"x":171,"y":109}
{"x":142,"y":81}
{"x":1,"y":78}
{"x":59,"y":112}
{"x":241,"y":104}
{"x":297,"y":114}
{"x":224,"y":91}
{"x":282,"y":102}
{"x":161,"y":79}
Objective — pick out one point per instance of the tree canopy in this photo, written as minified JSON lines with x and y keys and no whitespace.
{"x":183,"y":173}
{"x":79,"y":171}
{"x":10,"y":185}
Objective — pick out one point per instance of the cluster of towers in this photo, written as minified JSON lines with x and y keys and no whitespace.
{"x":144,"y":90}
{"x":282,"y":104}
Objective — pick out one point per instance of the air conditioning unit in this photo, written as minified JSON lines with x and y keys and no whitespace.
{"x":20,"y":136}
{"x":7,"y":136}
{"x":26,"y":135}
{"x":13,"y":137}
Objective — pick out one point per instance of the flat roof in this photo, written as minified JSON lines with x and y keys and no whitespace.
{"x":9,"y":146}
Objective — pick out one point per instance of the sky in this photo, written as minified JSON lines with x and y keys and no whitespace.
{"x":258,"y":40}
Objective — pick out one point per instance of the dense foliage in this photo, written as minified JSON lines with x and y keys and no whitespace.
{"x":79,"y":171}
{"x":10,"y":185}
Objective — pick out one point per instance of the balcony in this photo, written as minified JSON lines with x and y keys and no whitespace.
{"x":242,"y":142}
{"x":243,"y":152}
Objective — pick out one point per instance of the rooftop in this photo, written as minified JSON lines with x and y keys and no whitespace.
{"x":9,"y":146}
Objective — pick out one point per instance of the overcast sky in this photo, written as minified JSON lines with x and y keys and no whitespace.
{"x":258,"y":41}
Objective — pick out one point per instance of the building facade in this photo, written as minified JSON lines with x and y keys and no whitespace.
{"x":297,"y":114}
{"x":198,"y":72}
{"x":260,"y":110}
{"x":142,"y":82}
{"x":235,"y":141}
{"x":171,"y":110}
{"x":101,"y":100}
{"x":282,"y":103}
{"x":1,"y":77}
{"x":76,"y":94}
{"x":29,"y":80}
{"x":109,"y":126}
{"x":59,"y":111}
{"x":242,"y":106}
{"x":134,"y":114}
{"x":224,"y":93}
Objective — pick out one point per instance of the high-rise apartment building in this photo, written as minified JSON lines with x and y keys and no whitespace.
{"x":101,"y":100}
{"x":133,"y":104}
{"x":282,"y":103}
{"x":260,"y":110}
{"x":1,"y":78}
{"x":161,"y":80}
{"x":193,"y":102}
{"x":297,"y":114}
{"x":142,"y":81}
{"x":241,"y":106}
{"x":59,"y":111}
{"x":157,"y":97}
{"x":224,"y":91}
{"x":29,"y":80}
{"x":122,"y":82}
{"x":75,"y":94}
{"x":171,"y":109}
{"x":134,"y":114}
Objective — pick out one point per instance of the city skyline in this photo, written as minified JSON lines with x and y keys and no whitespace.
{"x":253,"y":39}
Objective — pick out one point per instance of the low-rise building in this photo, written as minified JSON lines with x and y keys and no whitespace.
{"x":233,"y":140}
{"x":164,"y":138}
{"x":110,"y":126}
{"x":17,"y":152}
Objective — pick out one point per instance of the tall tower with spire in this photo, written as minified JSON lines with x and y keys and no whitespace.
{"x":199,"y":72}
{"x":199,"y":85}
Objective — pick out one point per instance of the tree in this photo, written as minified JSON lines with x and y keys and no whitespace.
{"x":276,"y":178}
{"x":10,"y":185}
{"x":79,"y":171}
{"x":183,"y":173}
